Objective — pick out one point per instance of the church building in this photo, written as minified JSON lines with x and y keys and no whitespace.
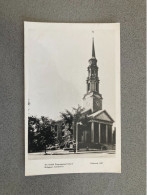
{"x":98,"y":132}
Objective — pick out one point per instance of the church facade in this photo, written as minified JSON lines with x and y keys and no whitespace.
{"x":99,"y":130}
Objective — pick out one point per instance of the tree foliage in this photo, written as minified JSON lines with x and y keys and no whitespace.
{"x":33,"y":124}
{"x":77,"y":116}
{"x":67,"y":130}
{"x":40,"y":133}
{"x":46,"y":133}
{"x":69,"y":120}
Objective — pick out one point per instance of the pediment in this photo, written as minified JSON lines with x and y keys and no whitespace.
{"x":101,"y":115}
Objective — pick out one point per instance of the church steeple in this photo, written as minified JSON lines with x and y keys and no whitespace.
{"x":92,"y":79}
{"x":93,"y":99}
{"x":93,"y":49}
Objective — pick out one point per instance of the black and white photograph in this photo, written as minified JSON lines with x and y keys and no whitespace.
{"x":72,"y":98}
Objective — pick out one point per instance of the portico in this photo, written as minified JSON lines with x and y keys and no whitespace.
{"x":101,"y":132}
{"x":98,"y":130}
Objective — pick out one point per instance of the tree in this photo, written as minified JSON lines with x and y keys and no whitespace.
{"x":40,"y":133}
{"x":77,"y":116}
{"x":67,"y":118}
{"x":33,"y":124}
{"x":46,"y":133}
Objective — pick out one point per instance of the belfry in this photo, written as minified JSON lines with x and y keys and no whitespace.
{"x":98,"y":132}
{"x":92,"y":99}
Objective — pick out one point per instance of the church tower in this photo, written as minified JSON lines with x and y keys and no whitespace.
{"x":92,"y":100}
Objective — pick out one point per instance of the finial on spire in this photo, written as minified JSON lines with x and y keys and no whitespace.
{"x":93,"y":49}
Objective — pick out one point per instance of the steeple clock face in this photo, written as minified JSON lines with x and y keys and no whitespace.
{"x":97,"y":104}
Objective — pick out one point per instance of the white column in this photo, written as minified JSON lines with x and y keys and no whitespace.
{"x":99,"y":133}
{"x":92,"y":132}
{"x":111,"y":135}
{"x":106,"y":134}
{"x":73,"y":125}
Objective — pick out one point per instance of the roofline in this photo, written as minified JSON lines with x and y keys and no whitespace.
{"x":109,"y":115}
{"x":105,"y":112}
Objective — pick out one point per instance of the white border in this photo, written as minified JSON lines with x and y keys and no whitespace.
{"x":78,"y":165}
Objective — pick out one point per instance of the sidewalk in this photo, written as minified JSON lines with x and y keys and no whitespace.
{"x":63,"y":152}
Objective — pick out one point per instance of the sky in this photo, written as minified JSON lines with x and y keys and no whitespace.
{"x":56,"y":60}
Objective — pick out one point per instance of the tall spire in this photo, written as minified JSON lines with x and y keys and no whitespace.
{"x":93,"y":49}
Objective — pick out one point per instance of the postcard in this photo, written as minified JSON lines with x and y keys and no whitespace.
{"x":72,"y":98}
